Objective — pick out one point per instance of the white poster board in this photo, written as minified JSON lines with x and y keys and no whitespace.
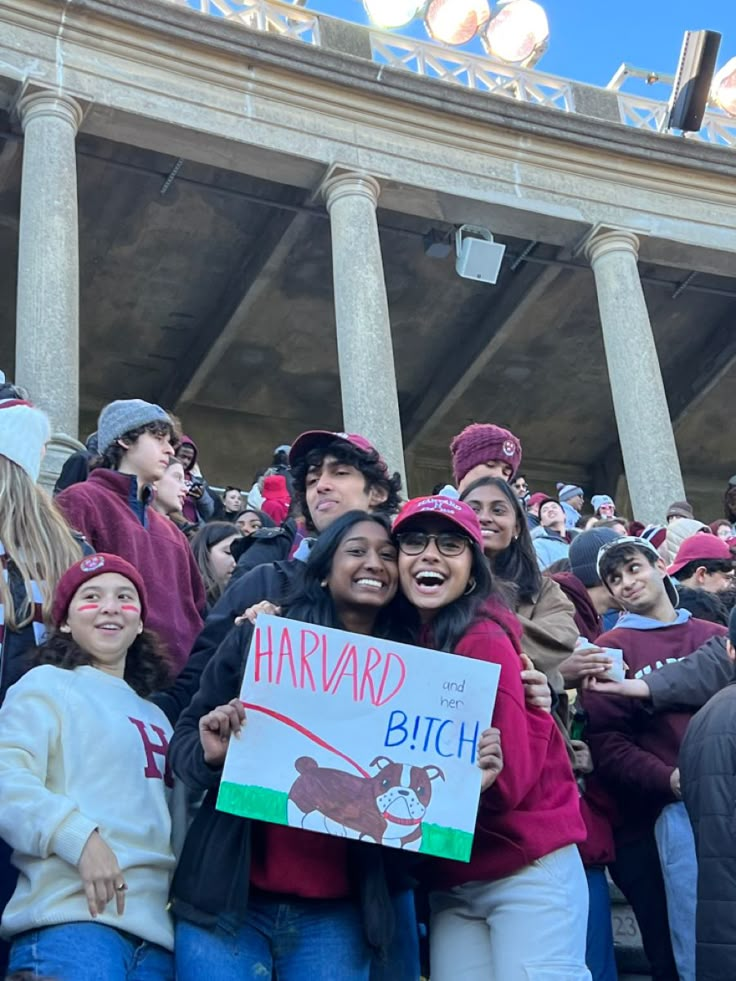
{"x":360,"y":737}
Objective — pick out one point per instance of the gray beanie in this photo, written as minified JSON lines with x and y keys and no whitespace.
{"x":118,"y":418}
{"x":583,"y":554}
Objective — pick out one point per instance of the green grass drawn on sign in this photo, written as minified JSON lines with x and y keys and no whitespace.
{"x":446,"y":842}
{"x":258,"y":803}
{"x":262,"y":804}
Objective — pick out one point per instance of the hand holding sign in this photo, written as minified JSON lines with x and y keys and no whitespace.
{"x":215,"y":730}
{"x":490,"y":757}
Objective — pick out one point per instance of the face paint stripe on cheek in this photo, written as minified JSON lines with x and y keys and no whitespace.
{"x":130,"y":608}
{"x":88,"y":606}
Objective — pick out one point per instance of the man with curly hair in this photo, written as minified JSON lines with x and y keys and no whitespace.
{"x":333,"y":473}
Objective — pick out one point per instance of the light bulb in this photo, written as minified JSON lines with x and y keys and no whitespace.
{"x":724,"y":88}
{"x":391,"y":13}
{"x":518,"y":34}
{"x":455,"y":21}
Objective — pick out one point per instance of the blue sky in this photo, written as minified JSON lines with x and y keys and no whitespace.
{"x":589,"y":39}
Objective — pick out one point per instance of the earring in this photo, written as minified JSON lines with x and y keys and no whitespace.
{"x":470,"y":587}
{"x":323,"y":584}
{"x":65,"y":628}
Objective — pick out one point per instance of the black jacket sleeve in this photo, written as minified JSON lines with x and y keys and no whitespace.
{"x":264,"y":547}
{"x":220,"y":682}
{"x":267,"y":582}
{"x":688,"y":684}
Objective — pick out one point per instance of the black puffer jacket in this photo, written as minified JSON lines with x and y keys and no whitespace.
{"x":212,"y":878}
{"x":268,"y":544}
{"x":708,"y":780}
{"x":271,"y":582}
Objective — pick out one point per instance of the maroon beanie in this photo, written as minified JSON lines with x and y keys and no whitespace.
{"x":90,"y":567}
{"x":481,"y":443}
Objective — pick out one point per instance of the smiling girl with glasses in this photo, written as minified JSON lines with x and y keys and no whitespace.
{"x":524,"y":868}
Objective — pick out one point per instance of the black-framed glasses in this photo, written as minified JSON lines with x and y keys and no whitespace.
{"x":448,"y":543}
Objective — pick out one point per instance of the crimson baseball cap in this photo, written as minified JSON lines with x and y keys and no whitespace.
{"x":316,"y":439}
{"x":456,"y":512}
{"x":700,"y":548}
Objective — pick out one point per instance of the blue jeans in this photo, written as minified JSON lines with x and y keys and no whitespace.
{"x":299,"y":939}
{"x":599,"y":954}
{"x":401,"y":962}
{"x":89,"y":952}
{"x":676,"y":846}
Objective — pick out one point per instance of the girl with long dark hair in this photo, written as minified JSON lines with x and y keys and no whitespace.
{"x":250,"y":896}
{"x":546,"y":615}
{"x":525,"y":872}
{"x":82,"y":772}
{"x":211,"y":548}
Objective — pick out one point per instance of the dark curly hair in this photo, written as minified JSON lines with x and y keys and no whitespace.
{"x":368,"y":462}
{"x":148,"y":668}
{"x":113,"y":455}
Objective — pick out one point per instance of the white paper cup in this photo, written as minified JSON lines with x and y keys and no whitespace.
{"x":616,"y":672}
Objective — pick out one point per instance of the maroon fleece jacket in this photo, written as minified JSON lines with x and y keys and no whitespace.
{"x":533,"y":808}
{"x":634,"y":750}
{"x":99,"y":508}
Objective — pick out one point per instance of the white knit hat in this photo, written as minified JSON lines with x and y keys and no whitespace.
{"x":24,"y":431}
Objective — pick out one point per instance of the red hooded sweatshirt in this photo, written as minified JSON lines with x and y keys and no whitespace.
{"x":533,"y":808}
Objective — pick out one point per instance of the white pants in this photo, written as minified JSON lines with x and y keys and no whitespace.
{"x":530,"y":926}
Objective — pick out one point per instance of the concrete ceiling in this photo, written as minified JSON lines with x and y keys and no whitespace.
{"x":213,"y":295}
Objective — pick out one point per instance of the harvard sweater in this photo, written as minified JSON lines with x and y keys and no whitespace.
{"x":633,"y":750}
{"x":101,"y":509}
{"x":79,"y":751}
{"x":533,"y":807}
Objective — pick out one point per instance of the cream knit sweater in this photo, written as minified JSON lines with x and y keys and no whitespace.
{"x":79,"y":750}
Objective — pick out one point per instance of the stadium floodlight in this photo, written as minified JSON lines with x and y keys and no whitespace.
{"x":724,"y":88}
{"x":391,"y":13}
{"x":518,"y":34}
{"x":455,"y":22}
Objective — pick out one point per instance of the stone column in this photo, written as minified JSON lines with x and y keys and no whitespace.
{"x":370,"y":401}
{"x":47,"y":331}
{"x":642,"y":416}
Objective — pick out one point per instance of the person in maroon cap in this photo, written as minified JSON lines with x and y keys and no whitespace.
{"x":703,"y":562}
{"x":83,"y":779}
{"x":484,"y":450}
{"x":524,"y":871}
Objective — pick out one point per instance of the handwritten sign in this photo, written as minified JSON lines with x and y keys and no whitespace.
{"x":359,"y":737}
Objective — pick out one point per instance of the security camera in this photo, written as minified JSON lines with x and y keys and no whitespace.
{"x":478,"y":256}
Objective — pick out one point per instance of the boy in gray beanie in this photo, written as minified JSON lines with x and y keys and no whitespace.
{"x":112,"y":510}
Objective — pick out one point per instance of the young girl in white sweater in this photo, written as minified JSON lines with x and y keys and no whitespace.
{"x":82,"y":784}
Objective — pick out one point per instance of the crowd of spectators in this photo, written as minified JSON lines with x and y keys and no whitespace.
{"x":127,"y":605}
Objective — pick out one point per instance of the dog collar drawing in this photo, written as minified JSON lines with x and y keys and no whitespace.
{"x":387,"y":808}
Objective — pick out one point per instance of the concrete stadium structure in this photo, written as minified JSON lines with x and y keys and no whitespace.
{"x":180,"y":191}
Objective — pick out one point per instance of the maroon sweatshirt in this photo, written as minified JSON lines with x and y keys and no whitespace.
{"x":533,"y":808}
{"x":587,"y":618}
{"x":634,"y":750}
{"x":100,"y":508}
